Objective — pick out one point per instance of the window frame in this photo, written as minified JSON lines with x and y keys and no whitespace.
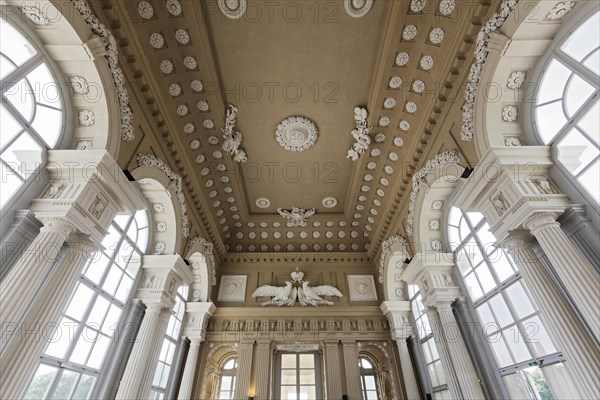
{"x":317,"y":369}
{"x":566,"y":181}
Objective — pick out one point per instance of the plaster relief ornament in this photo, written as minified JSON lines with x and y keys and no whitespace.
{"x":157,"y":40}
{"x":87,"y":118}
{"x":417,"y":5}
{"x":447,"y":6}
{"x":436,"y":35}
{"x":173,"y":7}
{"x":296,"y":216}
{"x":395,"y":82}
{"x":402,"y":59}
{"x":190,"y":62}
{"x":329,"y":202}
{"x":560,"y":10}
{"x":232,"y":140}
{"x":512,"y":141}
{"x":296,"y":133}
{"x":145,"y":10}
{"x":166,"y":67}
{"x":80,"y":84}
{"x":233,"y":9}
{"x":297,"y":290}
{"x":35,"y":15}
{"x":516,"y":79}
{"x":426,"y":63}
{"x":357,"y":8}
{"x":360,"y":134}
{"x":481,"y":54}
{"x":409,"y":32}
{"x":509,"y":114}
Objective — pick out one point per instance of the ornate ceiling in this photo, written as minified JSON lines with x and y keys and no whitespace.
{"x":297,"y":74}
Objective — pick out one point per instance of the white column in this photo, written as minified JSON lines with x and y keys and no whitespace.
{"x":244,"y":370}
{"x":333,"y":370}
{"x":21,"y":354}
{"x":563,"y":326}
{"x":465,"y":372}
{"x":353,"y":385}
{"x":19,"y":288}
{"x":578,"y":276}
{"x":399,"y":315}
{"x":134,"y":381}
{"x":444,"y":352}
{"x":196,"y":318}
{"x":163,"y":274}
{"x":263,"y":372}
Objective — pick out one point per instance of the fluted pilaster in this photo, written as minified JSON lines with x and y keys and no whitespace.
{"x":263,"y":372}
{"x":576,"y":274}
{"x":333,"y":370}
{"x":353,"y":386}
{"x":244,"y":370}
{"x":563,"y":326}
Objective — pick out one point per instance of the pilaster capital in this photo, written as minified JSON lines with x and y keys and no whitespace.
{"x":87,"y":188}
{"x":196,"y":319}
{"x":58,"y":225}
{"x":162,"y":276}
{"x":434,"y":274}
{"x":509,"y":185}
{"x":399,"y":316}
{"x":541,"y":221}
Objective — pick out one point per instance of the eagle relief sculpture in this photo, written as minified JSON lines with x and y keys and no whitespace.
{"x":299,"y":290}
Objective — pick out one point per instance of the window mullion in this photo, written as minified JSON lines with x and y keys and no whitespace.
{"x":577,"y":68}
{"x":21,"y":72}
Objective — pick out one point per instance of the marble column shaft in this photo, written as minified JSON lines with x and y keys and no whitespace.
{"x":414,"y":347}
{"x":408,"y":373}
{"x":353,"y":385}
{"x":563,"y":326}
{"x":189,"y":371}
{"x":21,"y":354}
{"x":577,"y":275}
{"x":177,"y":366}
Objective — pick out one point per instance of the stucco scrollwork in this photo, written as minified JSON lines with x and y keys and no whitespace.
{"x":360,"y":134}
{"x":232,"y":140}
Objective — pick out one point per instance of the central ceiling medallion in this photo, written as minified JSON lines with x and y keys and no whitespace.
{"x":233,"y":9}
{"x":296,"y":133}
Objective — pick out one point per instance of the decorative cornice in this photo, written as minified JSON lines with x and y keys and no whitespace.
{"x":481,"y":54}
{"x":361,"y":134}
{"x":112,"y":58}
{"x":385,"y":247}
{"x":232,"y":140}
{"x":447,"y":157}
{"x":149,"y":160}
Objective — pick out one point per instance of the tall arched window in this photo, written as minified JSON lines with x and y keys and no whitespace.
{"x":428,"y":345}
{"x":31,"y":109}
{"x":227,"y":380}
{"x":368,"y":378}
{"x":73,"y":359}
{"x":165,"y":359}
{"x":566,"y":115}
{"x":527,"y":360}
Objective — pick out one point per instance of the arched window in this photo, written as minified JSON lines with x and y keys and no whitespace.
{"x":73,"y":359}
{"x":368,"y":379}
{"x":566,"y":114}
{"x":428,"y":344}
{"x":528,"y":361}
{"x":227,"y":380}
{"x":165,"y":359}
{"x":31,"y":110}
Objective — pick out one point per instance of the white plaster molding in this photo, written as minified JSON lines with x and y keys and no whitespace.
{"x":233,"y":288}
{"x":360,"y":134}
{"x":481,"y":54}
{"x":296,"y":133}
{"x":35,"y":15}
{"x":447,"y":157}
{"x":112,"y":58}
{"x":560,"y":10}
{"x":362,"y":288}
{"x":296,"y":216}
{"x":149,"y":160}
{"x":232,"y":140}
{"x":357,"y":8}
{"x":233,"y":9}
{"x":385,"y":253}
{"x":207,"y":250}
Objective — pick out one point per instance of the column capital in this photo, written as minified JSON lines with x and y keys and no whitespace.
{"x":162,"y":276}
{"x":59,"y":225}
{"x":509,"y":185}
{"x":434,"y":274}
{"x":196,"y":319}
{"x":541,"y":221}
{"x":88,"y":189}
{"x":399,"y":316}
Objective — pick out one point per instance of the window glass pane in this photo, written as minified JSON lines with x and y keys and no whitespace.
{"x":485,"y":277}
{"x":583,"y":40}
{"x":550,"y":118}
{"x":553,"y":83}
{"x":369,"y":382}
{"x":474,"y":217}
{"x":111,"y":321}
{"x":289,"y":393}
{"x":501,"y":353}
{"x":288,"y":376}
{"x":590,"y":179}
{"x":307,"y":377}
{"x":578,"y":91}
{"x":516,"y":344}
{"x":79,"y":302}
{"x":9,"y":126}
{"x":536,"y":335}
{"x":501,"y":265}
{"x":100,"y":348}
{"x":111,"y":241}
{"x":537,"y":382}
{"x":96,"y":267}
{"x":576,"y":152}
{"x":21,"y":97}
{"x":288,"y":361}
{"x":590,"y":123}
{"x":24,"y":155}
{"x":86,"y":384}
{"x":307,"y":393}
{"x":473,"y":287}
{"x":14,"y":45}
{"x":41,"y":380}
{"x":6,"y":67}
{"x":365,"y":363}
{"x":307,"y":361}
{"x":593,"y":62}
{"x":98,"y":312}
{"x":11,"y":182}
{"x":229,"y":364}
{"x":516,"y":387}
{"x":500,"y":310}
{"x":486,"y":239}
{"x":47,"y":90}
{"x":520,"y":300}
{"x":62,"y":338}
{"x":112,"y":280}
{"x":83,"y":347}
{"x":487,"y":319}
{"x":67,"y":382}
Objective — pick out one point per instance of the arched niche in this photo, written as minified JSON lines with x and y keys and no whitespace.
{"x":394,"y":251}
{"x":204,"y":266}
{"x":211,"y":372}
{"x":164,"y":213}
{"x":507,"y":78}
{"x":378,"y":354}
